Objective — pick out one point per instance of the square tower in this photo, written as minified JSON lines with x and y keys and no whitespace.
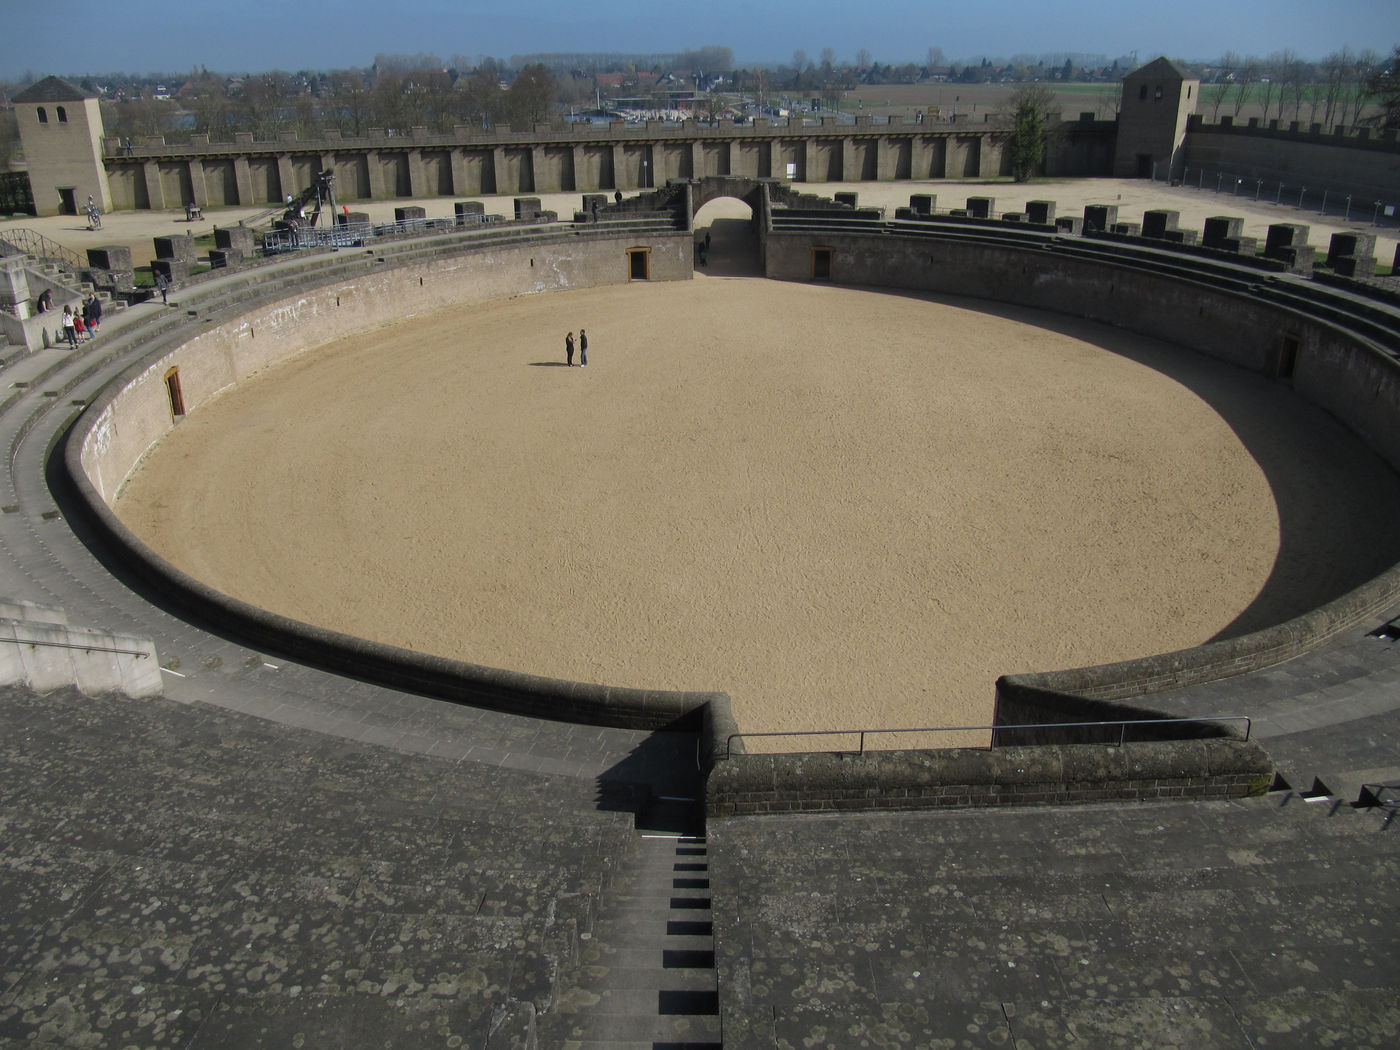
{"x":60,"y":129}
{"x":1157,"y":100}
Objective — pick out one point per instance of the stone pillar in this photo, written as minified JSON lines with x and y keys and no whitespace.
{"x":540,"y":181}
{"x":580,"y":176}
{"x":978,"y":142}
{"x":150,"y":170}
{"x":497,"y":168}
{"x":617,"y":166}
{"x":417,"y":181}
{"x":14,"y":287}
{"x":243,"y":177}
{"x":197,"y":187}
{"x":848,"y":160}
{"x":286,"y":180}
{"x":697,"y":159}
{"x":660,"y":169}
{"x":809,"y":159}
{"x":376,"y":175}
{"x":459,"y":171}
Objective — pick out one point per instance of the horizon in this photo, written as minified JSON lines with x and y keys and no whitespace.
{"x":349,"y":33}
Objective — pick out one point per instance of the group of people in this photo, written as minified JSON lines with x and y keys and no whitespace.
{"x":582,"y":349}
{"x":80,"y":324}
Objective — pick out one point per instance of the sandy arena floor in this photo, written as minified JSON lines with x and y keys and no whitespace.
{"x":844,"y":508}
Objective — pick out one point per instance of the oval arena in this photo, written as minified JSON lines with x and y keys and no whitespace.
{"x":452,"y":857}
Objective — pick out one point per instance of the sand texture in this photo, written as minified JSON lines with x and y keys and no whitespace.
{"x":845,"y":508}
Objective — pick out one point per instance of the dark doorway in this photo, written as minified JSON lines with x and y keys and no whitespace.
{"x":821,"y":264}
{"x":639,"y":264}
{"x":1144,"y":165}
{"x":177,"y":398}
{"x":67,"y":201}
{"x":1287,"y":356}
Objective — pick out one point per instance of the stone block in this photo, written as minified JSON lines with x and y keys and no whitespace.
{"x":526,"y":207}
{"x":181,"y":248}
{"x":1219,"y":228}
{"x":1284,"y":235}
{"x":352,"y":218}
{"x":234,"y":238}
{"x":110,"y":257}
{"x":1242,"y":245}
{"x":1354,"y":266}
{"x":227,"y":258}
{"x":410,"y":211}
{"x":1013,"y":216}
{"x":1099,"y":217}
{"x":593,"y":204}
{"x":981,"y":207}
{"x":1069,"y":224}
{"x":1156,"y":223}
{"x":1175,"y":236}
{"x":461,"y":208}
{"x":1298,"y":259}
{"x":1042,"y":213}
{"x":1126,"y":229}
{"x":174,"y":269}
{"x":1351,"y":244}
{"x":923,"y":203}
{"x":847,"y":198}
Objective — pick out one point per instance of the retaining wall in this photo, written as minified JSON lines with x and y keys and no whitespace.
{"x":747,"y":785}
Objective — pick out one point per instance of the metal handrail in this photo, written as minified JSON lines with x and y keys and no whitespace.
{"x":72,"y":645}
{"x":1122,"y":724}
{"x":31,"y":242}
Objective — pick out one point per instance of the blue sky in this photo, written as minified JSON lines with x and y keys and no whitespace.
{"x":76,"y":37}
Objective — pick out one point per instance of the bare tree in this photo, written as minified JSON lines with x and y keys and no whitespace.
{"x":350,"y":96}
{"x":530,"y":98}
{"x":484,"y":96}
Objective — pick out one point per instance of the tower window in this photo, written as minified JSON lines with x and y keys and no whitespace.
{"x":43,"y":115}
{"x":62,"y":115}
{"x":1157,"y":94}
{"x":1142,"y":93}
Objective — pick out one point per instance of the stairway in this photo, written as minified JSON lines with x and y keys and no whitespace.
{"x":646,"y":979}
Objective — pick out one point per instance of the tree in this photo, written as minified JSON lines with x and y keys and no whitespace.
{"x":1030,"y":115}
{"x":530,"y":98}
{"x":1383,"y":88}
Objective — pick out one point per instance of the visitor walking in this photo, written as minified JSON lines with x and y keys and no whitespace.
{"x":92,"y":313}
{"x":582,"y":348}
{"x":569,"y":349}
{"x":162,"y":286}
{"x":69,"y":332}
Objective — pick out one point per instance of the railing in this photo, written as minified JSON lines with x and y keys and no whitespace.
{"x":1349,"y":206}
{"x":31,"y":242}
{"x":85,"y":648}
{"x":861,"y":734}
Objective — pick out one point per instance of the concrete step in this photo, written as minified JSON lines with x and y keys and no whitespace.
{"x":646,"y":976}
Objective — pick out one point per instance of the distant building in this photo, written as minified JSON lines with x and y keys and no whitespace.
{"x":1157,"y":100}
{"x":61,"y":128}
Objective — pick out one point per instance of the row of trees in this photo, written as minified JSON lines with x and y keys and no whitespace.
{"x":1332,"y":92}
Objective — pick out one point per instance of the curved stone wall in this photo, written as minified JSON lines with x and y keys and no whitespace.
{"x":281,"y":310}
{"x":1224,"y":312}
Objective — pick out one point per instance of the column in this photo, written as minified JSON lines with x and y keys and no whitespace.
{"x":199,"y":191}
{"x":459,"y":172}
{"x":618,"y":180}
{"x":417,"y":182}
{"x":376,"y":175}
{"x":155,"y":193}
{"x":285,"y":179}
{"x":848,"y":160}
{"x":540,"y":181}
{"x":243,"y":178}
{"x":582,"y":183}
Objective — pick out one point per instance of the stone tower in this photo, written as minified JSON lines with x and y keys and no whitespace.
{"x":60,"y":129}
{"x":1157,"y":99}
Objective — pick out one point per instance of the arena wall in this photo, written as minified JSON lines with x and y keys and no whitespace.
{"x":272,"y":315}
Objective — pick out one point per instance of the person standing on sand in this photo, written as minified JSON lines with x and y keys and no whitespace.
{"x":582,"y":348}
{"x":569,"y":349}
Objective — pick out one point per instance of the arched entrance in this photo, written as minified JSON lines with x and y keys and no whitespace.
{"x":728,"y":217}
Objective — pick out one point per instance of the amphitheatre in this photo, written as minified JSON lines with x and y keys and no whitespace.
{"x":443,"y":666}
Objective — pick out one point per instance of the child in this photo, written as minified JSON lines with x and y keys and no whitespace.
{"x":79,"y":329}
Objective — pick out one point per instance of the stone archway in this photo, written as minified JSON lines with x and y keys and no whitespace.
{"x":736,"y":245}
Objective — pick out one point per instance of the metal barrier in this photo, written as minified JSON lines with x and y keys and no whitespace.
{"x":994,"y":730}
{"x":1334,"y":202}
{"x":85,"y":648}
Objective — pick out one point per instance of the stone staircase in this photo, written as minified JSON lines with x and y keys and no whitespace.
{"x":646,"y":979}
